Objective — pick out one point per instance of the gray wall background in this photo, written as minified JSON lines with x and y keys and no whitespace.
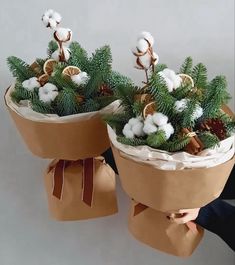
{"x":203,"y":29}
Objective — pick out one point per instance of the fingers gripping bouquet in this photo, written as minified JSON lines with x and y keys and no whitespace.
{"x":56,"y":104}
{"x":173,"y":144}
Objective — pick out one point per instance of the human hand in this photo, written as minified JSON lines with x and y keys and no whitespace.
{"x":183,"y":216}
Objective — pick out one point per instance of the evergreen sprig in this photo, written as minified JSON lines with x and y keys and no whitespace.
{"x":132,"y":142}
{"x":187,"y":65}
{"x":20,"y":69}
{"x":208,"y":139}
{"x":156,"y":139}
{"x":199,"y":75}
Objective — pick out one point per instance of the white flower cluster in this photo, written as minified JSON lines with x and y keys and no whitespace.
{"x":51,"y":19}
{"x":80,"y":79}
{"x":173,"y":81}
{"x":46,"y":93}
{"x":181,"y":105}
{"x":63,"y":36}
{"x":144,"y":51}
{"x":139,"y":127}
{"x":158,"y":121}
{"x":133,"y":128}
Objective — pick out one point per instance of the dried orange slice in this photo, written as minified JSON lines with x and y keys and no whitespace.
{"x":150,"y":108}
{"x":143,"y":98}
{"x":49,"y":65}
{"x":43,"y":79}
{"x":71,"y":70}
{"x":36,"y":68}
{"x":186,"y":79}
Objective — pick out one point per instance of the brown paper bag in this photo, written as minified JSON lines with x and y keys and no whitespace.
{"x":80,"y":189}
{"x":69,"y":140}
{"x":154,"y":229}
{"x":170,"y":190}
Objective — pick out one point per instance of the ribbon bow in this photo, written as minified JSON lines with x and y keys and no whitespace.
{"x":87,"y":178}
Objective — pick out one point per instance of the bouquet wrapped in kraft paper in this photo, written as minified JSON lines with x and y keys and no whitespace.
{"x":57,"y":102}
{"x":173,"y":143}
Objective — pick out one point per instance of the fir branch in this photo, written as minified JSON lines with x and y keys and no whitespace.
{"x":52,"y":47}
{"x":159,"y":67}
{"x":208,"y":139}
{"x":20,"y":69}
{"x":216,"y":95}
{"x":187,"y":65}
{"x":132,"y":142}
{"x":79,"y":57}
{"x":42,"y":107}
{"x":182,"y":92}
{"x":89,"y":105}
{"x":116,"y":79}
{"x":199,"y":75}
{"x":186,"y":115}
{"x":164,"y":100}
{"x":176,"y":144}
{"x":20,"y":93}
{"x":66,"y":102}
{"x":156,"y":139}
{"x":104,"y":101}
{"x":116,"y":121}
{"x":127,"y":96}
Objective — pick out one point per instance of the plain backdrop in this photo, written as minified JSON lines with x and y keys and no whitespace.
{"x":203,"y":29}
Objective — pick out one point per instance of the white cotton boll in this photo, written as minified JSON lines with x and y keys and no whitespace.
{"x":31,"y":83}
{"x":181,"y":105}
{"x":169,"y":73}
{"x":137,"y":129}
{"x":149,"y":119}
{"x":51,"y":18}
{"x":197,"y":113}
{"x":133,"y":121}
{"x":160,"y":119}
{"x":52,"y":23}
{"x":81,"y":78}
{"x":48,"y":93}
{"x":148,"y":36}
{"x":177,"y":81}
{"x":169,"y":84}
{"x":168,"y":130}
{"x":64,"y":34}
{"x":149,"y":128}
{"x":142,"y":45}
{"x":145,"y":60}
{"x":127,"y":132}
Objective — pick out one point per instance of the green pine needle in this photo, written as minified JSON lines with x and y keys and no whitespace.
{"x":208,"y":139}
{"x":20,"y":69}
{"x":131,"y":141}
{"x":187,"y":65}
{"x":156,"y":139}
{"x":199,"y":75}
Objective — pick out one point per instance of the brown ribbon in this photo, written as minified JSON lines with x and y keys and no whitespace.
{"x":139,"y":207}
{"x":87,"y":178}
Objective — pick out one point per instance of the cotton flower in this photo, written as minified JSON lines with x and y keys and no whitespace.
{"x":31,"y":83}
{"x":197,"y":113}
{"x":168,"y":130}
{"x":147,"y":36}
{"x":133,"y":128}
{"x":63,"y":34}
{"x":56,"y":54}
{"x":81,"y":78}
{"x":145,"y":60}
{"x":51,"y":18}
{"x":48,"y":93}
{"x":142,"y":45}
{"x":173,"y":81}
{"x":160,"y":119}
{"x":181,"y":105}
{"x":149,"y":128}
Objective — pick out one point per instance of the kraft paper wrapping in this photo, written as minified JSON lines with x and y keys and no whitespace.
{"x":170,"y":190}
{"x":49,"y":136}
{"x":154,"y":229}
{"x":71,"y":206}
